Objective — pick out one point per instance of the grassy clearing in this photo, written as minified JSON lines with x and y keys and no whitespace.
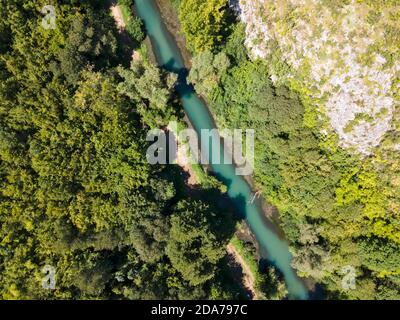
{"x":125,"y":11}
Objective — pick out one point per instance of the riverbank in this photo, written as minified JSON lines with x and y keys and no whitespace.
{"x":245,"y":274}
{"x":270,"y":214}
{"x":273,"y":247}
{"x":171,"y":20}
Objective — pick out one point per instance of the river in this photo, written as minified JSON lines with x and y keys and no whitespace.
{"x":272,"y":247}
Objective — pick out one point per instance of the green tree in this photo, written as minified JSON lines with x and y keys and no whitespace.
{"x":207,"y":70}
{"x":204,"y":23}
{"x":194,"y":249}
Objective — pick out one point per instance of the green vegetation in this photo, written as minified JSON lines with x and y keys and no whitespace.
{"x":194,"y":247}
{"x":76,"y":191}
{"x":134,"y":26}
{"x":205,"y":23}
{"x":336,"y":209}
{"x":207,"y":70}
{"x":268,"y":285}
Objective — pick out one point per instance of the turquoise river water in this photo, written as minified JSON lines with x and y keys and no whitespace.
{"x":170,"y":58}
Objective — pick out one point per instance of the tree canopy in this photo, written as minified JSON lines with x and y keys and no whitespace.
{"x":76,"y":190}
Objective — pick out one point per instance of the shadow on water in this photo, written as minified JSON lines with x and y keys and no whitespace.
{"x":272,"y":246}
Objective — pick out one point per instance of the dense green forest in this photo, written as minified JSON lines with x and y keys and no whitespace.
{"x":337,"y":209}
{"x":76,"y":191}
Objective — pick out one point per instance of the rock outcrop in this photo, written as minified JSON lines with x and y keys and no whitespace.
{"x":345,"y":55}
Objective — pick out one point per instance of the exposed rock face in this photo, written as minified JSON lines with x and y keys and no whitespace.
{"x":346,"y":55}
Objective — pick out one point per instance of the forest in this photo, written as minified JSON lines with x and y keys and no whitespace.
{"x":77,"y":193}
{"x":76,"y":190}
{"x":337,"y":209}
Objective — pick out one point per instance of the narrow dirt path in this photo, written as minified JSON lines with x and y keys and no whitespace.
{"x":182,"y":160}
{"x":117,"y":14}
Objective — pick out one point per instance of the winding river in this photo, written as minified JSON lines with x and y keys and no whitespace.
{"x":169,"y":57}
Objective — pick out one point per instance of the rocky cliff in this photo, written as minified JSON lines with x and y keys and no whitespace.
{"x":343,"y":56}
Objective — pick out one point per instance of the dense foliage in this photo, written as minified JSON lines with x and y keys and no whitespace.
{"x":204,"y":22}
{"x":76,"y":191}
{"x":133,"y":25}
{"x":337,"y":209}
